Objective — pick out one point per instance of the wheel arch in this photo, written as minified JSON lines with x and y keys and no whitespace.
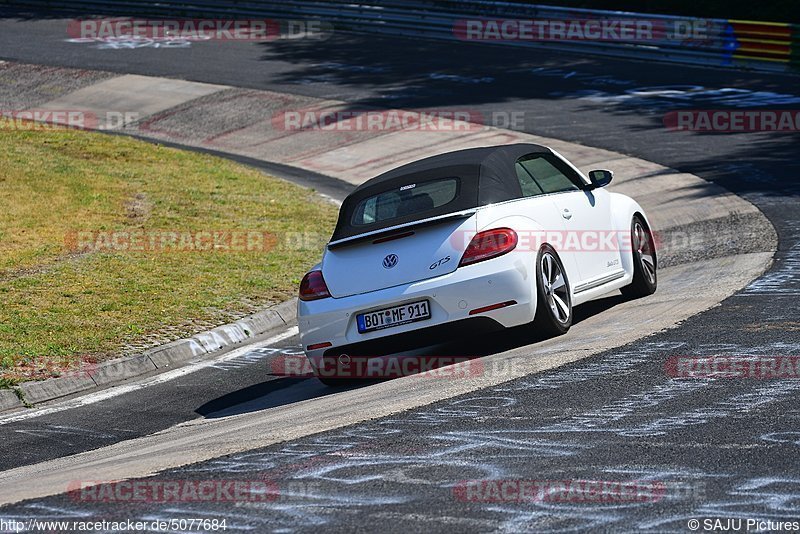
{"x":623,"y":210}
{"x":649,"y":228}
{"x":525,"y":226}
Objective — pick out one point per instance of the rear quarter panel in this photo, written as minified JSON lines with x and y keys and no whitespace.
{"x":531,"y":218}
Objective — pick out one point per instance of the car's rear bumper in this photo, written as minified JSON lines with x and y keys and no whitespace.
{"x":452,"y":297}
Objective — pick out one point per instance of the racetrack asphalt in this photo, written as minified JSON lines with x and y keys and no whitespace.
{"x":723,"y":448}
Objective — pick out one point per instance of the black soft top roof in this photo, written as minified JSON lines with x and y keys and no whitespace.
{"x":498,"y":160}
{"x":487,"y":175}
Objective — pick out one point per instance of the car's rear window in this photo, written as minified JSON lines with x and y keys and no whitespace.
{"x":410,"y":199}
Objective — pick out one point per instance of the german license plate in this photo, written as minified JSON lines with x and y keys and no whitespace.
{"x":394,"y":316}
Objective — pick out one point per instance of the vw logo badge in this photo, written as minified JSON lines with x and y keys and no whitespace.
{"x":390,"y":261}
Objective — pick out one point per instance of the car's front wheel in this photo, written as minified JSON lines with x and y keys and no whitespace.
{"x":554,"y":299}
{"x":645,"y":277}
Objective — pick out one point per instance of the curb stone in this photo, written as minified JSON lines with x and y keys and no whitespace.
{"x":40,"y":391}
{"x":160,"y":358}
{"x":9,"y":400}
{"x":111,"y":371}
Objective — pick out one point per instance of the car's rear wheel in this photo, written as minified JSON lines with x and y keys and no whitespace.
{"x":331,"y":382}
{"x":645,"y":265}
{"x":331,"y":374}
{"x":554,"y":299}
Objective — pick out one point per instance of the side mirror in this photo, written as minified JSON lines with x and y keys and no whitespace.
{"x":600,"y":178}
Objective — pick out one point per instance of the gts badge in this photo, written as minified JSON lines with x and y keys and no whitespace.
{"x":439,"y":263}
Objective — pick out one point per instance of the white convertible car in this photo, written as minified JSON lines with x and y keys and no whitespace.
{"x":469,"y":241}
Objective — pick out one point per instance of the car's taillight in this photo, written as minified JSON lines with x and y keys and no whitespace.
{"x":489,"y":244}
{"x":313,"y":287}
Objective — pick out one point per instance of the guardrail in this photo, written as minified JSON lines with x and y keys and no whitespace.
{"x":713,"y":42}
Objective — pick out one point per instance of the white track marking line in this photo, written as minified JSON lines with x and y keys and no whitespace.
{"x":116,"y":391}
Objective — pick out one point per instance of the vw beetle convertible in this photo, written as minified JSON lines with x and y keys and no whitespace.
{"x":468,"y":241}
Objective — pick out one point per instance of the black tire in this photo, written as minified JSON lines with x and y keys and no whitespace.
{"x":553,"y":296}
{"x":331,"y":377}
{"x":645,"y":262}
{"x":331,"y":382}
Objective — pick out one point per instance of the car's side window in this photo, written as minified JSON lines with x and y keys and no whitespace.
{"x":548,"y":177}
{"x":529,"y":186}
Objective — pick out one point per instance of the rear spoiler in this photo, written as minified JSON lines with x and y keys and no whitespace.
{"x":387,"y":231}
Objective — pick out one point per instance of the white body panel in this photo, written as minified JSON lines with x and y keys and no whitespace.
{"x":351,"y":269}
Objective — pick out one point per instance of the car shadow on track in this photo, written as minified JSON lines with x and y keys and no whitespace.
{"x":289,"y":390}
{"x":269,"y":394}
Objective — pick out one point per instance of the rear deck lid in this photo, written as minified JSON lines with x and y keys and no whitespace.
{"x":409,"y":254}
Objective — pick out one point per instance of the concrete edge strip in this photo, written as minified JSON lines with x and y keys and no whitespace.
{"x":198,"y":347}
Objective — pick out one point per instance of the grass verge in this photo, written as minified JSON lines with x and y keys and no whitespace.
{"x":109,"y":244}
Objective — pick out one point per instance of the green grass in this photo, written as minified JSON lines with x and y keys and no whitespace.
{"x":60,"y":305}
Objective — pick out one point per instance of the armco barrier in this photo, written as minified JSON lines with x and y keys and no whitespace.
{"x":715,"y":42}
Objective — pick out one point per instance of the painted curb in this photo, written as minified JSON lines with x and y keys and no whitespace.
{"x":156,"y":359}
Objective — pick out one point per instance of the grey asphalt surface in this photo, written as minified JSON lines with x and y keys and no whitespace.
{"x":725,"y":448}
{"x":204,"y":393}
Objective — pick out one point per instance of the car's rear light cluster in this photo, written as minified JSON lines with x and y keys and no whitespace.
{"x":313,"y":286}
{"x":489,"y":244}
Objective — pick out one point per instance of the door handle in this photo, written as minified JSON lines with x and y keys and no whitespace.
{"x":566,"y":214}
